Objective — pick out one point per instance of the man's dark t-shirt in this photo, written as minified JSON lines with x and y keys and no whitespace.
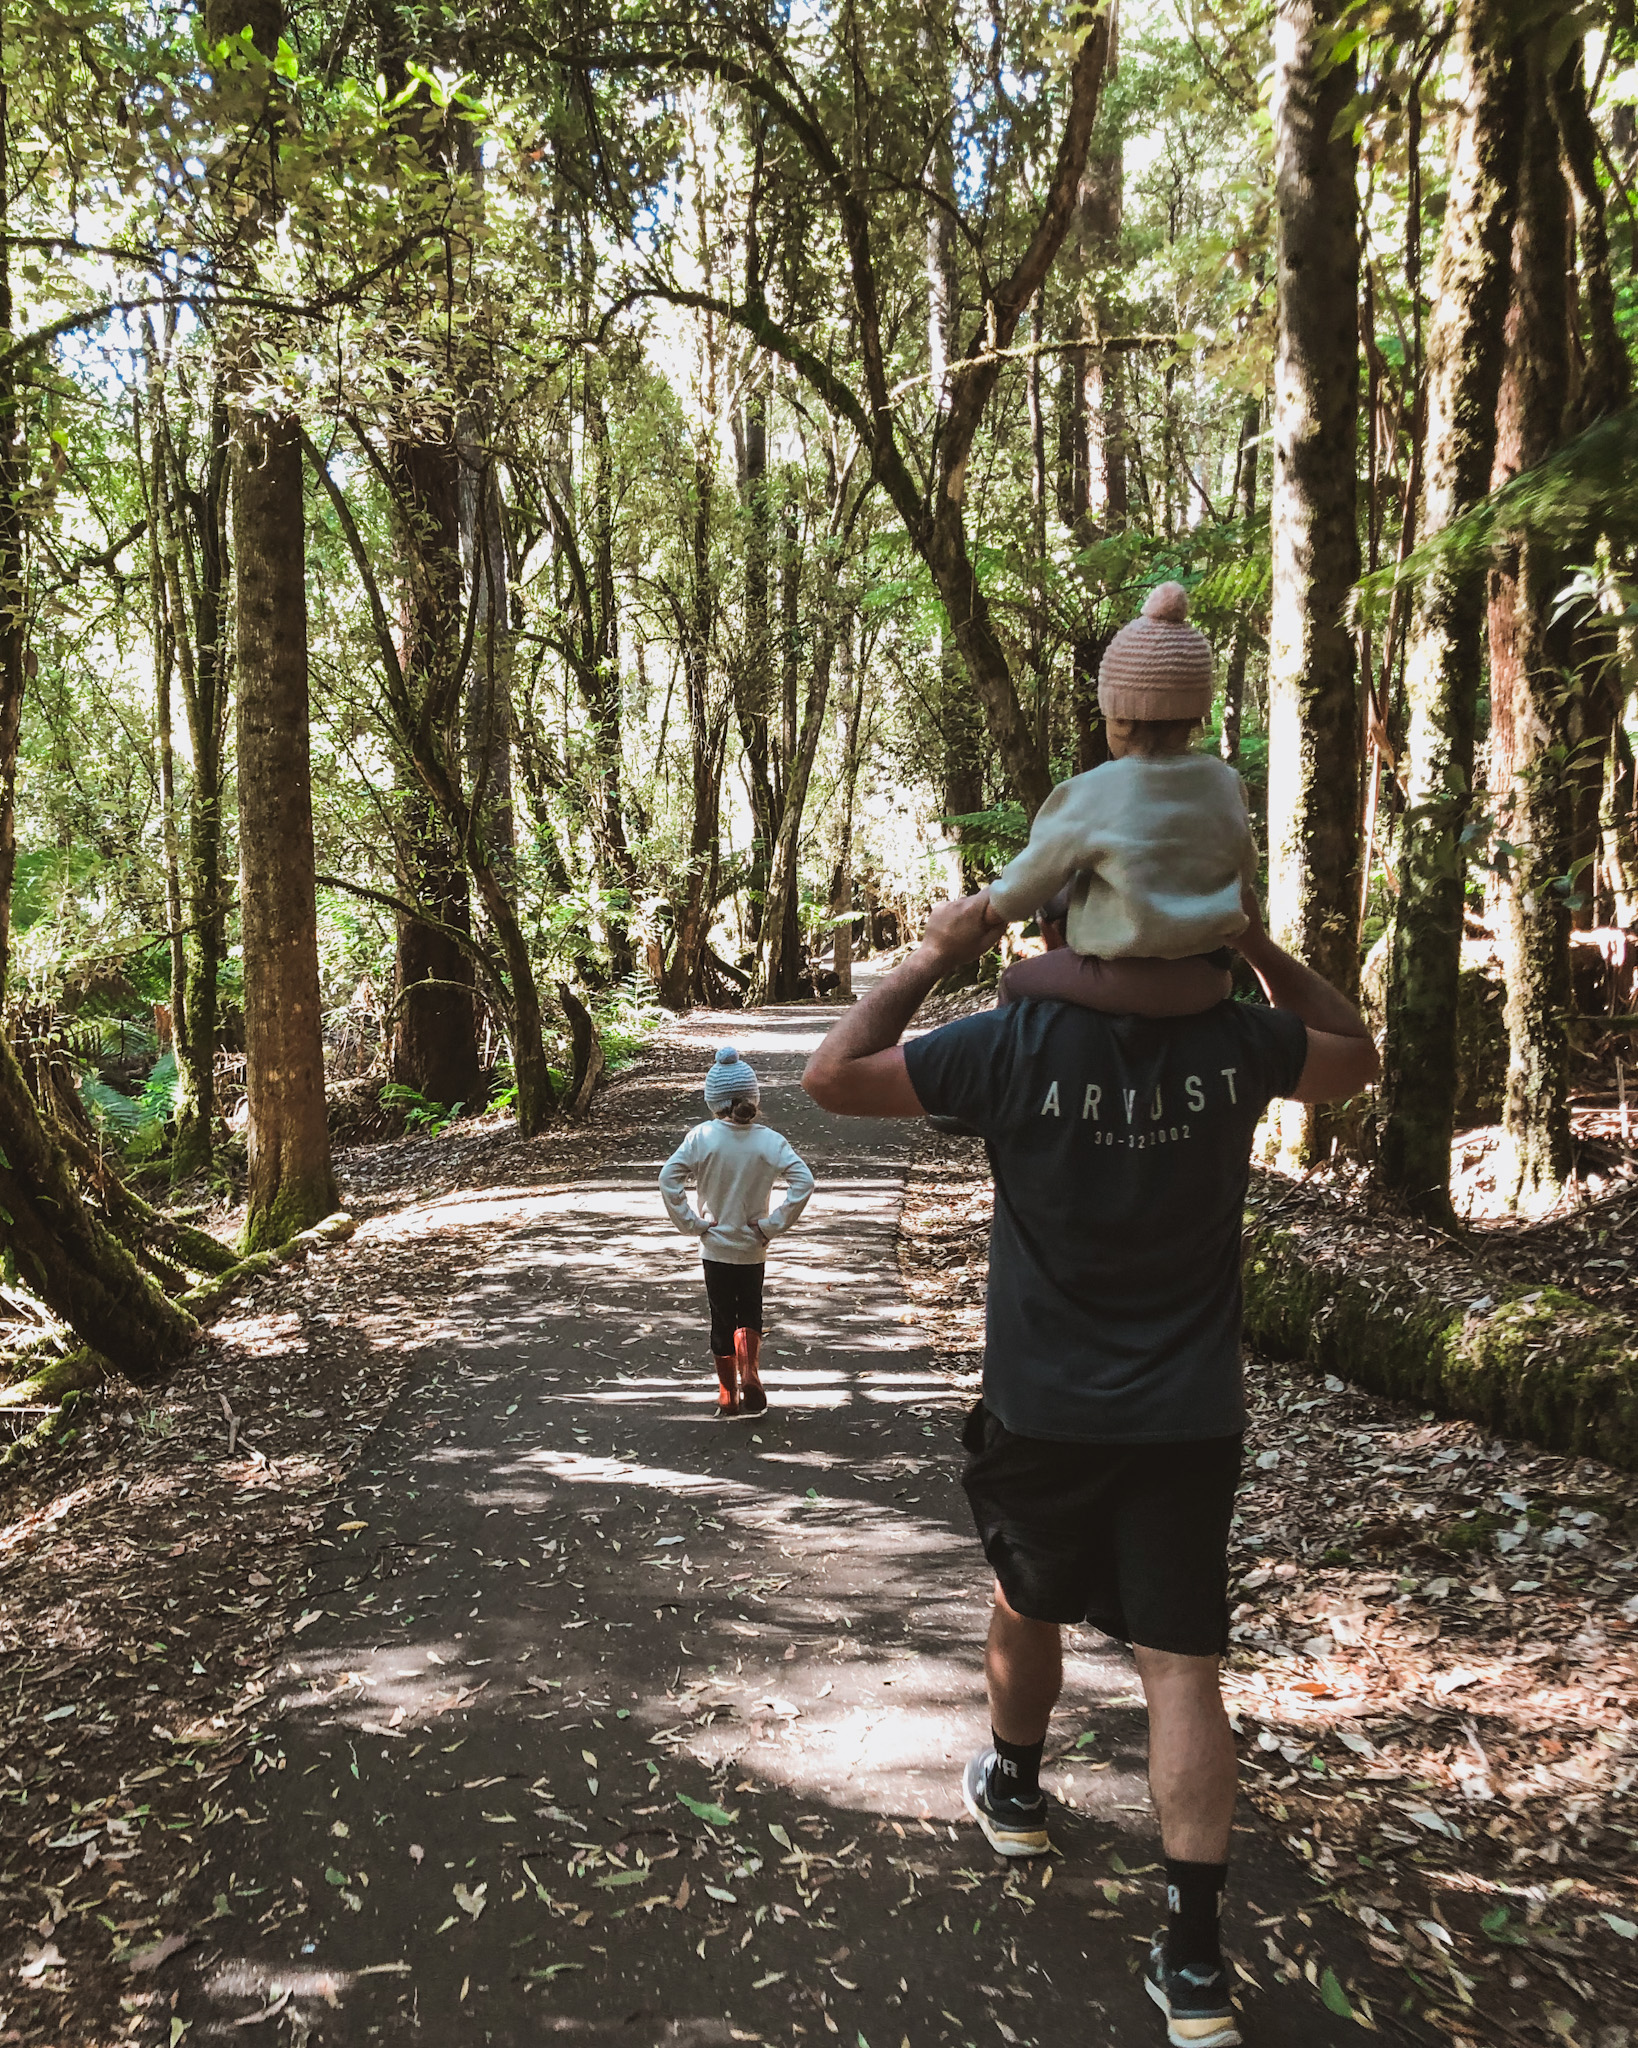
{"x":1121,"y":1150}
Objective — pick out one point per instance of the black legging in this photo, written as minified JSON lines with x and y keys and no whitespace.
{"x":735,"y":1295}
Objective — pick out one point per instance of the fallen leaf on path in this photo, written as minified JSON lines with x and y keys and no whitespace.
{"x":713,"y":1816}
{"x":160,"y":1952}
{"x":473,"y":1901}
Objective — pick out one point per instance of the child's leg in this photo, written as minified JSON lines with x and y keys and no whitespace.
{"x":748,"y":1340}
{"x":721,"y":1292}
{"x":1121,"y":988}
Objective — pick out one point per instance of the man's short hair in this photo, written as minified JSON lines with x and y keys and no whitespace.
{"x":1056,"y":908}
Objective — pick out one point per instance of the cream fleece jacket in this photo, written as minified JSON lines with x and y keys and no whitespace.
{"x":734,"y":1168}
{"x":1157,"y":849}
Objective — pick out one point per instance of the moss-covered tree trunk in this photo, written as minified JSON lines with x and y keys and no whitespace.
{"x":62,"y":1252}
{"x":1444,"y":636}
{"x":1531,"y":709}
{"x":77,"y":1268}
{"x":190,"y":539}
{"x":1314,"y":758}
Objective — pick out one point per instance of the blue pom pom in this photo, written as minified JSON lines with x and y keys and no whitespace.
{"x":726,"y":1055}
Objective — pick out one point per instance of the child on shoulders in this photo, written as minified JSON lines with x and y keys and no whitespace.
{"x":1148,"y":853}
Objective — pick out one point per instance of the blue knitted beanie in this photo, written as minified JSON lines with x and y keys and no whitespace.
{"x":729,"y":1076}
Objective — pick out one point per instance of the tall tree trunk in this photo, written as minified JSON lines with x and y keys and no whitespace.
{"x":1443,"y":639}
{"x":1101,"y":496}
{"x":435,"y":1042}
{"x":1533,"y":715}
{"x":165,"y":633}
{"x":961,"y":723}
{"x":1314,"y":722}
{"x":190,"y":541}
{"x":291,"y":1182}
{"x":1245,"y":505}
{"x":682,"y":979}
{"x":841,"y":886}
{"x":782,"y":896}
{"x":753,"y":682}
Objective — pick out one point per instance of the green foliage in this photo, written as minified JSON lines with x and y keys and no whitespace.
{"x":1579,"y":497}
{"x":427,"y":1119}
{"x":136,"y":1124}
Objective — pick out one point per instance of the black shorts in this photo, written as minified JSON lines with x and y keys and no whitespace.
{"x":735,"y":1295}
{"x":1132,"y":1538}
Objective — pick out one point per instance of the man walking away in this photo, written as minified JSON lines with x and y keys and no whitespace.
{"x":1106,"y":1448}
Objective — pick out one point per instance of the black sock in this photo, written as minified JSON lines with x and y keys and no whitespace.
{"x":1017,"y":1768}
{"x":1194,"y":1896}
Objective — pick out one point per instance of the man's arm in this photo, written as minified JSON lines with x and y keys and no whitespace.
{"x":1341,"y":1054}
{"x":858,"y":1069}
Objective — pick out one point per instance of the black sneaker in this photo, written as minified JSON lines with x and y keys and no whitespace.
{"x":1199,"y":2012}
{"x":1012,"y":1827}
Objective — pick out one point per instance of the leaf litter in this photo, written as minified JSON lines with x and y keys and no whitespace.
{"x":151,"y":1579}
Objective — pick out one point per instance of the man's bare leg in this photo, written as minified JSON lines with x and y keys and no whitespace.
{"x":1024,"y":1668}
{"x":1193,"y":1768}
{"x":1192,"y":1773}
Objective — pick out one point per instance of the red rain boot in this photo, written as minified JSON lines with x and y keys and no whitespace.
{"x":747,"y":1351}
{"x":727,"y":1384}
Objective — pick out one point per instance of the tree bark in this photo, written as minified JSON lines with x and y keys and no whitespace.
{"x":682,"y":978}
{"x":435,"y":1043}
{"x":777,"y":983}
{"x":841,"y":887}
{"x":1443,"y":638}
{"x":960,"y":718}
{"x":1314,"y":721}
{"x":190,"y":539}
{"x":1245,"y":504}
{"x":291,"y":1183}
{"x":1533,"y":715}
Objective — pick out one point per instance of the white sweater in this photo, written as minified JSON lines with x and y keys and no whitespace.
{"x":1157,"y":849}
{"x":734,"y":1168}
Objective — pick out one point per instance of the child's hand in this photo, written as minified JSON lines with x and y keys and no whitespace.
{"x":964,"y":929}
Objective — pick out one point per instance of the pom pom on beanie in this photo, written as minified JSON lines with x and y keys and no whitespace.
{"x":728,"y":1076}
{"x":1158,"y":667}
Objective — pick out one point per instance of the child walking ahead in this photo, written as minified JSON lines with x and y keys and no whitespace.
{"x":735,"y":1160}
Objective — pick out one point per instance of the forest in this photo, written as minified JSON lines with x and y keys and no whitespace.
{"x":520,"y":520}
{"x":520,"y":523}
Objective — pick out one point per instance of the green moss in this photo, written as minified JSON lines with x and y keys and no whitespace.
{"x":294,"y":1208}
{"x":1542,"y":1364}
{"x":56,"y":1381}
{"x":1474,"y":1534}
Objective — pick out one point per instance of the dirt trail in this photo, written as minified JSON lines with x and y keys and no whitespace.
{"x":617,"y":1723}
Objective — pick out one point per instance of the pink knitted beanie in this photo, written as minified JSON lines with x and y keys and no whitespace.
{"x":1158,"y":667}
